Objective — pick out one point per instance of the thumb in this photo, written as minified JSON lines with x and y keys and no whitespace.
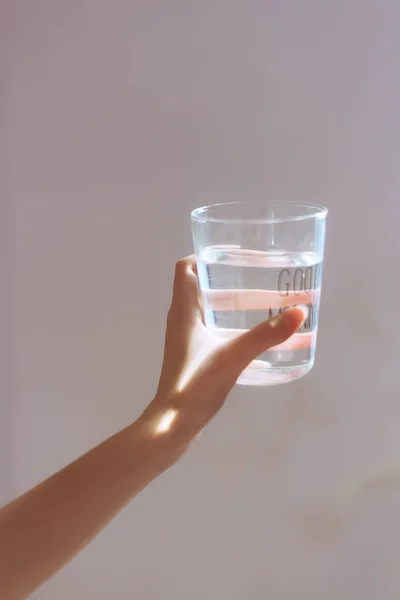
{"x":245,"y":348}
{"x":219,"y":373}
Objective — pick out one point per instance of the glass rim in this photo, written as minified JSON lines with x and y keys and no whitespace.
{"x":317,"y":212}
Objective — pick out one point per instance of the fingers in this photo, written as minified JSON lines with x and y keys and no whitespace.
{"x":182,"y":317}
{"x":185,"y":298}
{"x":256,"y":299}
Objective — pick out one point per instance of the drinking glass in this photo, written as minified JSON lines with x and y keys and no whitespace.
{"x":255,"y":260}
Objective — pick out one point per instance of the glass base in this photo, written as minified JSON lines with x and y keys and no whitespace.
{"x":262,"y":373}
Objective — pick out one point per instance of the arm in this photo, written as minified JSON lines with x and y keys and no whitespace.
{"x":43,"y":529}
{"x":47,"y":526}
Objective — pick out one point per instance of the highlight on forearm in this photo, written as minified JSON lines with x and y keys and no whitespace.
{"x":164,"y":422}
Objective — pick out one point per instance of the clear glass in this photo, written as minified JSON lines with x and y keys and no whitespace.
{"x":254,"y":260}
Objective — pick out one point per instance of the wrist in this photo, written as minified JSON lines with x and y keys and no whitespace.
{"x":157,"y":436}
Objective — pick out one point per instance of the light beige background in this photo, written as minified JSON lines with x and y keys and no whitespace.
{"x":120,"y":116}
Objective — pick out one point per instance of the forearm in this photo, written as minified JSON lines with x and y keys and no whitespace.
{"x":47,"y":526}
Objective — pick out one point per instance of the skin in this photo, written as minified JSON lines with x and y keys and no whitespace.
{"x":46,"y":527}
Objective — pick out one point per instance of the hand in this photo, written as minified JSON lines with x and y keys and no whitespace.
{"x":48,"y":525}
{"x":43,"y":529}
{"x":198,"y":373}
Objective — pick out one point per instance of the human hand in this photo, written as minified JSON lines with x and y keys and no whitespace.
{"x":198,"y":373}
{"x":63,"y":513}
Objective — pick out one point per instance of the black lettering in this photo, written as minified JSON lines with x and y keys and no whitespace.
{"x":297,"y":281}
{"x":284,"y":282}
{"x":308,"y":280}
{"x":310,"y":317}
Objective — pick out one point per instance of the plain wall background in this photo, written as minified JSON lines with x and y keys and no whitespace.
{"x":123,"y":115}
{"x":7,"y":374}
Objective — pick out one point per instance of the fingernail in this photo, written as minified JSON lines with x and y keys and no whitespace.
{"x":304,"y":310}
{"x":276,"y":320}
{"x":279,"y":318}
